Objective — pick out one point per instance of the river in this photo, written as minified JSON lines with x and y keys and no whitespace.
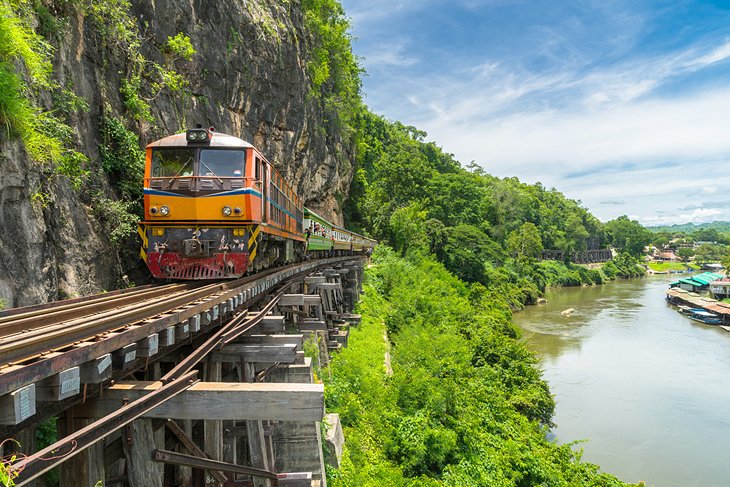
{"x":645,"y":386}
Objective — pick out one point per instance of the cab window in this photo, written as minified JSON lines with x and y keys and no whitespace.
{"x":222,"y":163}
{"x":170,"y":163}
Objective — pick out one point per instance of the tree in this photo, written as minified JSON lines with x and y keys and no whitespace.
{"x":468,"y":250}
{"x":685,"y":253}
{"x":628,"y":235}
{"x":525,"y":243}
{"x":708,"y":253}
{"x":407,"y":227}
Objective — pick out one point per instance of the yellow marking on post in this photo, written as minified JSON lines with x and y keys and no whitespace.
{"x":254,"y":235}
{"x":142,"y":232}
{"x":253,"y":243}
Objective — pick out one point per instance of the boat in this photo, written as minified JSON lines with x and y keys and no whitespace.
{"x":706,"y":317}
{"x":686,"y":310}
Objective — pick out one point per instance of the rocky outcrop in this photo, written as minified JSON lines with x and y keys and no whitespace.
{"x":247,"y":78}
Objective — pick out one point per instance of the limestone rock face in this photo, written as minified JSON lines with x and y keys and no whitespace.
{"x":248,"y":78}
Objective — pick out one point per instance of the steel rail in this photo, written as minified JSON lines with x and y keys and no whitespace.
{"x":32,"y":466}
{"x":174,"y":458}
{"x":52,"y":304}
{"x":27,"y":346}
{"x":238,"y":324}
{"x":50,"y":316}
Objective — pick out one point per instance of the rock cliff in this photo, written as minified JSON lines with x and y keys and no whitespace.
{"x":248,"y":77}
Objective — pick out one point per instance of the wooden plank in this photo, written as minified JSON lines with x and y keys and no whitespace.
{"x":258,"y":354}
{"x":312,"y":325}
{"x":60,"y":386}
{"x":269,"y":340}
{"x":291,"y":300}
{"x":17,"y":406}
{"x":219,"y":400}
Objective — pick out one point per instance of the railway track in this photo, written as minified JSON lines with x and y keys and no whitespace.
{"x":39,"y":342}
{"x":47,"y":349}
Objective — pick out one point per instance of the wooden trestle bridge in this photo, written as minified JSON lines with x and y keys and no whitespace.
{"x":192,"y":384}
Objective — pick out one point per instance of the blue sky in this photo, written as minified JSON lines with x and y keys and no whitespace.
{"x":624,"y":105}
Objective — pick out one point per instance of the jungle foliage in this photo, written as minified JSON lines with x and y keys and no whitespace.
{"x":465,"y":404}
{"x":484,"y":229}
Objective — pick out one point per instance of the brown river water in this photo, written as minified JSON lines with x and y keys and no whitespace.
{"x":646,"y":387}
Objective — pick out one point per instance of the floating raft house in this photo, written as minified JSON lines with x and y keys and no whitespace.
{"x":678,"y":296}
{"x":696,"y":283}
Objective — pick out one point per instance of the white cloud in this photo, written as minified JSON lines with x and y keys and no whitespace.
{"x":390,"y":54}
{"x":583,"y":117}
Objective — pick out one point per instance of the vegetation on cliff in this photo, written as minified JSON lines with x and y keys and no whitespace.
{"x":464,"y":404}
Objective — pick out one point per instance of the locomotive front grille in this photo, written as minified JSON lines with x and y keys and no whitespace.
{"x":195,"y":271}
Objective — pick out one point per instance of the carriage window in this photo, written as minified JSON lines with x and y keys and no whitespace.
{"x":170,"y":163}
{"x":222,"y":163}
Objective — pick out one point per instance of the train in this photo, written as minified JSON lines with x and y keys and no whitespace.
{"x":216,"y":208}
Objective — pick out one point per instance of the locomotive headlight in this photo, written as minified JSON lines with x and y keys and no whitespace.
{"x":164,"y":210}
{"x":237,"y":211}
{"x":226,"y":211}
{"x":197,"y":135}
{"x":153,"y":210}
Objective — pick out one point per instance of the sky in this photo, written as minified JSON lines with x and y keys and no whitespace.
{"x":623,"y":105}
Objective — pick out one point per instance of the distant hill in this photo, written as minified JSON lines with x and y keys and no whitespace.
{"x":720,"y":226}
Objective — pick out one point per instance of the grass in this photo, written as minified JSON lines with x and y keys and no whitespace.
{"x":671,"y":266}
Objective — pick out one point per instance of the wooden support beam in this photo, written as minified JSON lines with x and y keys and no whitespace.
{"x":17,"y":406}
{"x":194,"y":449}
{"x":125,"y":356}
{"x":291,"y":300}
{"x":312,"y":300}
{"x":213,"y":427}
{"x":60,"y":386}
{"x":97,"y":370}
{"x":149,"y":346}
{"x":258,"y":453}
{"x":219,"y":401}
{"x":139,"y":446}
{"x":204,"y":463}
{"x":295,"y":479}
{"x":167,"y":337}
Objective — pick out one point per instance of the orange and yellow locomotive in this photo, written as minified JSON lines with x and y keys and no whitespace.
{"x":214,"y":207}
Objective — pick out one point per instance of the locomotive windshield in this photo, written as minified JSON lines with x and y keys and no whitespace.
{"x":170,"y":163}
{"x":221,"y":163}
